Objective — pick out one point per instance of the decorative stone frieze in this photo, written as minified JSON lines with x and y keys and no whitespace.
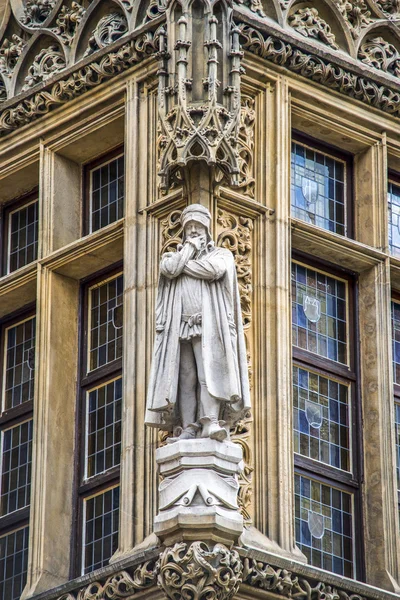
{"x":308,"y":22}
{"x":391,"y":7}
{"x":80,"y":81}
{"x":48,"y":62}
{"x":378,"y":53}
{"x":254,"y":5}
{"x":199,"y":572}
{"x":108,"y":30}
{"x":319,"y":70}
{"x":356,"y":13}
{"x":10,"y":51}
{"x":246,"y":146}
{"x":37,"y":11}
{"x":68,"y":21}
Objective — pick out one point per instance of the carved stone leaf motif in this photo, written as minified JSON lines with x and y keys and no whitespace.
{"x":3,"y":91}
{"x":9,"y":53}
{"x":154,"y":10}
{"x":356,"y":13}
{"x":68,"y":21}
{"x":197,"y":572}
{"x":108,"y":30}
{"x":246,"y":146}
{"x":254,"y":5}
{"x":235,"y":234}
{"x":308,"y":22}
{"x":37,"y":11}
{"x":171,"y":232}
{"x":378,"y":53}
{"x":49,"y":61}
{"x":390,"y":7}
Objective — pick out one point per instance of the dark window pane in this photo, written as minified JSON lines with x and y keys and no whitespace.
{"x":20,"y":363}
{"x":13,"y":563}
{"x":107,"y":194}
{"x":23,"y":236}
{"x":394,"y":214}
{"x":106,"y":322}
{"x":100,"y":529}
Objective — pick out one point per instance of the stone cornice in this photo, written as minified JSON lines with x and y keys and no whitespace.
{"x":268,"y":574}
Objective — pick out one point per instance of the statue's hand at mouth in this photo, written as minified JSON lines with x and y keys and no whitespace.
{"x":199,"y":242}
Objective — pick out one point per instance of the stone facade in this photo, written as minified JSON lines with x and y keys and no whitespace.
{"x":78,"y":81}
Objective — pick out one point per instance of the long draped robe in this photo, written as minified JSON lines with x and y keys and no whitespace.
{"x":223,"y":343}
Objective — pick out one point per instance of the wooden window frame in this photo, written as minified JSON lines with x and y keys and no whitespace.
{"x":106,"y":480}
{"x":349,"y":482}
{"x":334,"y":152}
{"x":86,"y":188}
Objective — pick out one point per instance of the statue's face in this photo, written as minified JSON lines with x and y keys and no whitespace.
{"x":194,"y":229}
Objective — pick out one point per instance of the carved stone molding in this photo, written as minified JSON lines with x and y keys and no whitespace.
{"x":308,"y":22}
{"x":108,"y":30}
{"x":254,"y":5}
{"x":48,"y":62}
{"x":118,"y":586}
{"x":285,"y":583}
{"x":321,"y":71}
{"x":10,"y":51}
{"x":37,"y":11}
{"x":199,"y":572}
{"x":378,"y":53}
{"x":68,"y":20}
{"x":246,"y":146}
{"x":356,"y":14}
{"x":77,"y":83}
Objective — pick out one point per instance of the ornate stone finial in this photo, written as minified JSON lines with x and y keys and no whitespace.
{"x":199,"y":572}
{"x":199,"y":100}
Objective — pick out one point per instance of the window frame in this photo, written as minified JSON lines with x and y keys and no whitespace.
{"x":84,"y":489}
{"x":334,"y":477}
{"x":87,"y":168}
{"x":395,"y":297}
{"x":338,"y":154}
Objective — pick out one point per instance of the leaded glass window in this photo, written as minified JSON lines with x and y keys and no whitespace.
{"x":20,"y":363}
{"x":319,"y":313}
{"x":396,"y":380}
{"x":324,"y":525}
{"x":106,"y":322}
{"x":23,"y":225}
{"x":397,"y":437}
{"x":318,"y":188}
{"x":321,"y":418}
{"x":101,"y":409}
{"x":13,"y":563}
{"x":107,"y":191}
{"x":394,"y":215}
{"x":16,"y":451}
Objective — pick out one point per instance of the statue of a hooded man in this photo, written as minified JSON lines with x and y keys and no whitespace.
{"x":199,"y":379}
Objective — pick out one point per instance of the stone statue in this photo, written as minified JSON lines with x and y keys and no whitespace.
{"x":199,"y":379}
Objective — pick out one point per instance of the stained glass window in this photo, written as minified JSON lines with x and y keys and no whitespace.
{"x":319,"y":317}
{"x":13,"y":563}
{"x":106,"y":321}
{"x":324,"y":525}
{"x":20,"y":363}
{"x":101,"y":518}
{"x":103,"y":439}
{"x":318,"y":188}
{"x":394,"y":215}
{"x":107,"y":193}
{"x":321,"y":418}
{"x":23,"y":236}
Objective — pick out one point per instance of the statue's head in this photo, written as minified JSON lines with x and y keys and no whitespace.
{"x":196,"y":220}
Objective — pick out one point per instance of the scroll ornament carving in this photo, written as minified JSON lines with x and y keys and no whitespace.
{"x":68,"y":21}
{"x":285,"y":583}
{"x":118,"y":586}
{"x":154,"y":10}
{"x":48,"y":62}
{"x":321,"y":71}
{"x":390,"y":7}
{"x":246,"y":146}
{"x":80,"y":81}
{"x":254,"y":5}
{"x":356,"y":13}
{"x":9,"y":54}
{"x":171,"y":232}
{"x":197,"y":572}
{"x":308,"y":22}
{"x":108,"y":30}
{"x":378,"y":53}
{"x":37,"y":11}
{"x":3,"y":91}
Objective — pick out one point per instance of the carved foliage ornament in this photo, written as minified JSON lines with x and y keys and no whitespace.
{"x":108,"y":30}
{"x":79,"y":82}
{"x":48,"y":62}
{"x":68,"y":21}
{"x":378,"y":53}
{"x":308,"y":22}
{"x":321,"y":71}
{"x":37,"y":11}
{"x":390,"y":7}
{"x":254,"y":5}
{"x":197,"y":572}
{"x":356,"y":13}
{"x":246,"y":146}
{"x":9,"y":54}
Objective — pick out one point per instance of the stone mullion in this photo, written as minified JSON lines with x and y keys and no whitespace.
{"x":379,"y":492}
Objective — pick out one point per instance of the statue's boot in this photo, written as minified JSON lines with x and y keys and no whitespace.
{"x":213,"y":429}
{"x":188,"y":433}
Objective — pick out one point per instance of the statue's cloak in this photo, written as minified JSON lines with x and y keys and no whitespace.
{"x":223,"y":346}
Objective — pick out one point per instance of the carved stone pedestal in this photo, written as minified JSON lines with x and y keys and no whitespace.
{"x":198,"y":492}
